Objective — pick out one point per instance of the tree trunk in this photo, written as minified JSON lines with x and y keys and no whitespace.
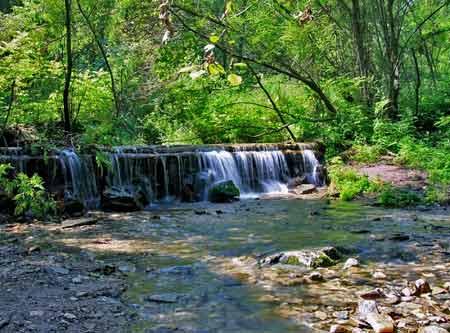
{"x":418,"y":82}
{"x":105,"y":58}
{"x":69,"y":66}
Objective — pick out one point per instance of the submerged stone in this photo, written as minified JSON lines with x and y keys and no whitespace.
{"x":314,"y":258}
{"x":225,"y":191}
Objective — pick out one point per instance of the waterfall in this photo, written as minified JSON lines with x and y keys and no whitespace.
{"x":80,"y":178}
{"x":251,"y":171}
{"x":311,"y":167}
{"x":163,"y":173}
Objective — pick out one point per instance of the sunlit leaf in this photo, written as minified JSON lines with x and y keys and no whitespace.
{"x":234,"y":79}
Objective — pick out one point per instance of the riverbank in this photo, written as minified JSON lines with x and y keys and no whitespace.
{"x":190,"y":268}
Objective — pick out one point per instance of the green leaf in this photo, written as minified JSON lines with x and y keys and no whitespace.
{"x":215,"y":69}
{"x":234,"y":79}
{"x":240,"y":65}
{"x":214,"y":39}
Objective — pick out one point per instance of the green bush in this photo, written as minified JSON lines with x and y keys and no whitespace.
{"x":366,"y":153}
{"x":398,"y":198}
{"x":28,"y":194}
{"x":348,"y":183}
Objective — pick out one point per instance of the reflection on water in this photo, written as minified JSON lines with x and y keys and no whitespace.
{"x":178,"y":286}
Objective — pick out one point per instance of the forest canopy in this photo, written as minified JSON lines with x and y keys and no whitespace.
{"x":114,"y":72}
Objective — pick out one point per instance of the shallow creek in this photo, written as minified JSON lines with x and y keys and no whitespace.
{"x":179,"y":261}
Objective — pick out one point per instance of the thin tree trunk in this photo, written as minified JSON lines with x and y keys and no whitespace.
{"x":69,"y":67}
{"x":105,"y":58}
{"x":418,"y":82}
{"x":274,"y":105}
{"x":12,"y":97}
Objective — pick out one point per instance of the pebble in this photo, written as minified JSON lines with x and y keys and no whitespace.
{"x":320,"y":315}
{"x":365,"y":307}
{"x":380,"y":323}
{"x":37,"y":313}
{"x":423,"y":287}
{"x":339,"y":329}
{"x":351,"y":262}
{"x":379,"y":275}
{"x":432,"y":329}
{"x":69,"y":316}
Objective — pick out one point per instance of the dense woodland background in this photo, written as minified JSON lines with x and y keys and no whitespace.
{"x":346,"y":72}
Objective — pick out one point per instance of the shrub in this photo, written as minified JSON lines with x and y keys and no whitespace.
{"x":348,"y":183}
{"x":28,"y":193}
{"x":398,"y":198}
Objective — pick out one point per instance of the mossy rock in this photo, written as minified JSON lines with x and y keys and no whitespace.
{"x":225,"y":191}
{"x":314,"y":258}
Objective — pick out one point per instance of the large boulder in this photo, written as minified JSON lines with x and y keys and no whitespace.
{"x":314,"y":258}
{"x":225,"y":191}
{"x":126,"y":199}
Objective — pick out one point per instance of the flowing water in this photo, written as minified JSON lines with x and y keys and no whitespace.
{"x":182,"y":283}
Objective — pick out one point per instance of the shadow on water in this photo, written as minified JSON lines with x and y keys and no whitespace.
{"x":176,"y":285}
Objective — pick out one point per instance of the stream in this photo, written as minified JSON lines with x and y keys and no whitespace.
{"x":179,"y":260}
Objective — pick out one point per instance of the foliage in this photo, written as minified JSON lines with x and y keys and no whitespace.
{"x":398,"y":198}
{"x":348,"y":183}
{"x":366,"y":153}
{"x":31,"y":197}
{"x":28,"y":194}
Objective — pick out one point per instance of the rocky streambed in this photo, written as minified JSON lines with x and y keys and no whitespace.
{"x":251,"y":266}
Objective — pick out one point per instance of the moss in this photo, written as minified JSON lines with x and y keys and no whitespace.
{"x":292,"y":260}
{"x":323,"y":261}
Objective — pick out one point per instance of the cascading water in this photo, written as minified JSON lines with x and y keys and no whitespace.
{"x":79,"y":177}
{"x":160,"y":173}
{"x":311,"y":167}
{"x":251,"y":171}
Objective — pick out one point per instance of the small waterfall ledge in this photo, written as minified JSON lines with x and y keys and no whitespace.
{"x":134,"y":177}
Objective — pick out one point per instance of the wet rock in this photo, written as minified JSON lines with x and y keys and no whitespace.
{"x":36,"y":313}
{"x":295,"y":182}
{"x":315,"y":276}
{"x":73,"y":207}
{"x":399,"y":237}
{"x":409,"y":291}
{"x":69,"y":316}
{"x":372,"y":294}
{"x":422,"y":286}
{"x":320,"y":257}
{"x":365,"y":307}
{"x":163,"y":298}
{"x":127,"y":268}
{"x":72,"y":223}
{"x":380,"y":323}
{"x":224,"y":192}
{"x":341,"y":315}
{"x":432,"y":329}
{"x":304,"y":189}
{"x":379,"y":275}
{"x":339,"y":329}
{"x":59,"y":270}
{"x":126,"y":199}
{"x":351,"y":262}
{"x":320,"y":315}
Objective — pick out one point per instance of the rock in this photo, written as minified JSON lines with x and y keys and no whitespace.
{"x":319,"y":257}
{"x":409,"y":291}
{"x":380,"y":323}
{"x":351,"y":262}
{"x":315,"y":276}
{"x":447,"y":285}
{"x":69,"y":316}
{"x":295,"y":182}
{"x":59,"y":270}
{"x":365,"y":307}
{"x":72,"y":223}
{"x":399,"y":237}
{"x":188,"y":193}
{"x":77,"y":280}
{"x":127,"y":268}
{"x":163,"y":298}
{"x":304,"y":189}
{"x":423,"y":287}
{"x":438,"y":290}
{"x":432,"y":329}
{"x":123,"y":199}
{"x":372,"y":294}
{"x":320,"y":315}
{"x":73,"y":207}
{"x":225,"y":191}
{"x":379,"y":275}
{"x":339,"y":329}
{"x":341,"y":315}
{"x":36,"y":313}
